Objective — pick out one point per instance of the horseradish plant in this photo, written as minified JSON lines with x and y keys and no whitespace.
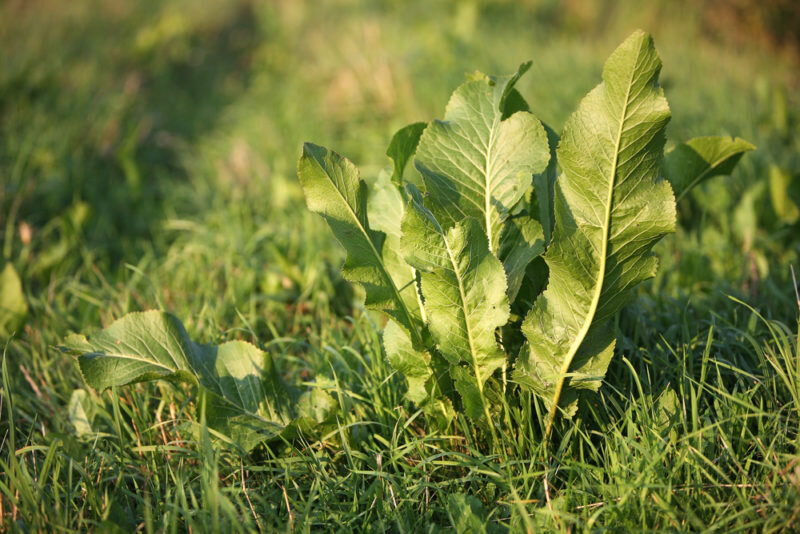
{"x":451,"y":259}
{"x":499,"y":263}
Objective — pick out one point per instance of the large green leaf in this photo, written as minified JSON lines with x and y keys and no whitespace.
{"x":250,"y":403}
{"x":690,"y":163}
{"x":13,"y":308}
{"x":464,"y":289}
{"x":477,"y":163}
{"x":610,"y":208}
{"x":334,"y":190}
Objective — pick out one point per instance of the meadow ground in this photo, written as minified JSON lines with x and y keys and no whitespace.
{"x":147,"y":160}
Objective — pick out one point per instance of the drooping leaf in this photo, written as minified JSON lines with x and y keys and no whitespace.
{"x":402,"y":147}
{"x":697,"y":160}
{"x":610,"y":208}
{"x":523,"y":250}
{"x":477,"y":164}
{"x":13,"y":308}
{"x":464,"y":290}
{"x":425,"y":386}
{"x":527,"y":230}
{"x":429,"y":383}
{"x":250,"y":403}
{"x":334,"y":190}
{"x":385,"y":206}
{"x":513,"y":100}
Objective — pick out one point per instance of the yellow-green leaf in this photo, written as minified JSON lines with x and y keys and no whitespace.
{"x":611,"y":206}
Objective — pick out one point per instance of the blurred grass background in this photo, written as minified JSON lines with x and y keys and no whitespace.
{"x":148,"y":152}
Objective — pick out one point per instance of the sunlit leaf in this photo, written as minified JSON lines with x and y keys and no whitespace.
{"x":611,"y":207}
{"x":477,"y":163}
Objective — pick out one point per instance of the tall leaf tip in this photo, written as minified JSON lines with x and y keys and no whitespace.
{"x":636,"y":53}
{"x":310,"y":149}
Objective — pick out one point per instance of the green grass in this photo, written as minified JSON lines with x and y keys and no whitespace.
{"x":150,"y":147}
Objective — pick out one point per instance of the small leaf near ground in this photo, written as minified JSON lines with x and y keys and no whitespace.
{"x":429,"y":383}
{"x":781,"y":189}
{"x":81,"y":412}
{"x":467,"y":515}
{"x":249,"y":401}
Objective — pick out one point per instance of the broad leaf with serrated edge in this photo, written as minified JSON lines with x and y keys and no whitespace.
{"x":333,"y":189}
{"x":476,"y":163}
{"x":697,"y":160}
{"x":464,"y":288}
{"x":610,"y":208}
{"x":250,"y":402}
